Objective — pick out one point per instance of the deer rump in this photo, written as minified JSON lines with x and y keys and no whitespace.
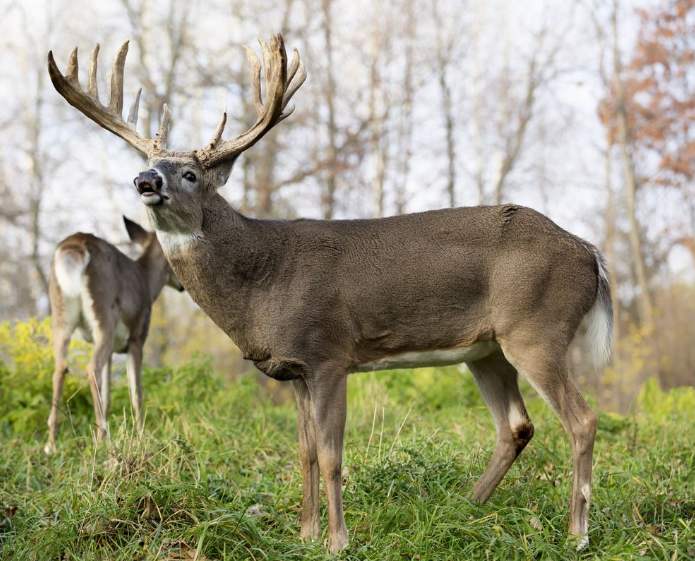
{"x":431,"y":288}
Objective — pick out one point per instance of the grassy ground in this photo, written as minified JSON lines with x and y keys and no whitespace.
{"x":216,"y":477}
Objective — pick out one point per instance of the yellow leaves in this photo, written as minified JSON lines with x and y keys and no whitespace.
{"x":26,"y":367}
{"x":663,"y":404}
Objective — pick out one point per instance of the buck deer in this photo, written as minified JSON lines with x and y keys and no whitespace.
{"x":501,"y":288}
{"x":97,"y":289}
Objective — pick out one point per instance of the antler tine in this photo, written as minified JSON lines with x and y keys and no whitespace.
{"x":109,"y":117}
{"x":278,"y":89}
{"x":268,"y":60}
{"x":214,"y":141}
{"x":277,"y":65}
{"x":296,"y":71}
{"x":133,"y":113}
{"x":71,"y":72}
{"x":255,"y":73}
{"x":160,"y":139}
{"x":92,"y":88}
{"x":294,"y":65}
{"x":116,"y":101}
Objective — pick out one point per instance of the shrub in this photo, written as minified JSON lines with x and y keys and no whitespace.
{"x":26,"y":368}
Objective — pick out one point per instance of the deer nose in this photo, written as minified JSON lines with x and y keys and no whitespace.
{"x":148,"y":180}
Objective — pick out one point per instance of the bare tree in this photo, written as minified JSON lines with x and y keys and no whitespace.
{"x":172,"y":31}
{"x":330,"y":174}
{"x":444,"y":54}
{"x":405,"y":122}
{"x":515,"y":119}
{"x":379,"y":109}
{"x":632,"y":183}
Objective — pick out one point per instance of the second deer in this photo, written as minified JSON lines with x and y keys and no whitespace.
{"x":108,"y":296}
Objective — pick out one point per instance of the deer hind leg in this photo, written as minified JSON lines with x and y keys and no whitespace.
{"x":497,"y":380}
{"x":102,"y":320}
{"x":100,"y":357}
{"x":62,"y":332}
{"x":310,"y":523}
{"x":106,"y":387}
{"x":545,"y":367}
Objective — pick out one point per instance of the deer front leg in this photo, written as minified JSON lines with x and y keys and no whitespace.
{"x":310,"y":523}
{"x":134,"y":372}
{"x":328,"y":406}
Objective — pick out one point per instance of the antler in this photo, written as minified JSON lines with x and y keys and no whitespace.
{"x":281,"y":83}
{"x":110,"y":116}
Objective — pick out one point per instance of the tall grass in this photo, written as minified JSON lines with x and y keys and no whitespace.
{"x":215,"y":474}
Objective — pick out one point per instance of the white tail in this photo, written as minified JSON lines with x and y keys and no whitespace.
{"x":70,"y":264}
{"x":599,"y":319}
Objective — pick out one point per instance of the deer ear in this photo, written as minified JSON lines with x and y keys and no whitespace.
{"x":219,"y":174}
{"x":136,"y":232}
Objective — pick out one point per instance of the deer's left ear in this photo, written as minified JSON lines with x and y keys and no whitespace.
{"x":219,"y":174}
{"x":136,"y":232}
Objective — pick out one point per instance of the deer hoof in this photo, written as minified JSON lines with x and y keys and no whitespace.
{"x":310,"y":532}
{"x":338,"y":542}
{"x":582,"y":542}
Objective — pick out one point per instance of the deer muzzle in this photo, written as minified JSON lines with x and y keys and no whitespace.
{"x":149,"y":185}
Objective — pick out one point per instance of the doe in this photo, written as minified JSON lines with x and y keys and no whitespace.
{"x":108,"y":296}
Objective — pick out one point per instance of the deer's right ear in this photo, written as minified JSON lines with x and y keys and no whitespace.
{"x":219,"y":174}
{"x":135,"y":232}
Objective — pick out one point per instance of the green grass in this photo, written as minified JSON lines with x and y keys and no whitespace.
{"x":216,"y":477}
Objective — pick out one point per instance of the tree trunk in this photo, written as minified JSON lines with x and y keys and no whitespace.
{"x":443,"y":61}
{"x":646,"y":306}
{"x":405,"y":128}
{"x":328,"y":199}
{"x":37,"y":181}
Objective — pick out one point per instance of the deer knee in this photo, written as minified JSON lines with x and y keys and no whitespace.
{"x":522,"y":435}
{"x":308,"y":462}
{"x":333,"y":473}
{"x":330,"y":464}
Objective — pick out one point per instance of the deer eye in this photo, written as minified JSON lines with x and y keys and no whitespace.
{"x":189,"y":176}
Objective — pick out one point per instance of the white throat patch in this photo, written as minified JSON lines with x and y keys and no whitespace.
{"x":175,"y":242}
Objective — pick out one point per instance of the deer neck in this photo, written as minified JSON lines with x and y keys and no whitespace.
{"x":153,"y":263}
{"x":227,"y":265}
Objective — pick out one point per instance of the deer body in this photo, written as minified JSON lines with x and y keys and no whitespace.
{"x":108,"y":297}
{"x":502,"y":288}
{"x":361,"y":293}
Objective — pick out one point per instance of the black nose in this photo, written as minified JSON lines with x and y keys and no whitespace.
{"x":148,"y":181}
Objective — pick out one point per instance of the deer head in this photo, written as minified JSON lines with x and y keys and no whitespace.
{"x":177,"y":185}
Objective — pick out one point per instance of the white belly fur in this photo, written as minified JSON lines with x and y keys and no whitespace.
{"x":441,"y":357}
